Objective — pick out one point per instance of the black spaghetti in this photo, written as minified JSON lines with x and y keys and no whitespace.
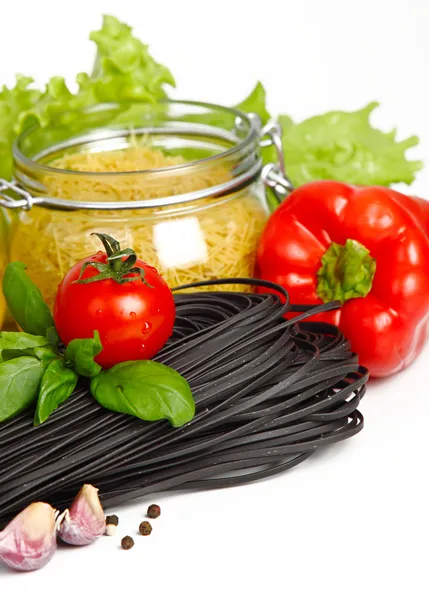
{"x":269,"y":391}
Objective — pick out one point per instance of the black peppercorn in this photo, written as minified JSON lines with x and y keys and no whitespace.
{"x":112,"y":520}
{"x":153,"y":511}
{"x":127,"y":542}
{"x":145,"y":528}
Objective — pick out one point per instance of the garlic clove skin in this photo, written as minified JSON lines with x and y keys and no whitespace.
{"x":30,"y":540}
{"x":85,"y":520}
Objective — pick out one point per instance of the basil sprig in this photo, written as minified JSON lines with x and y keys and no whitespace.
{"x":25,"y":301}
{"x":17,"y":341}
{"x":145,"y":389}
{"x":35,"y":370}
{"x":80,"y":355}
{"x":58,"y":383}
{"x":19,"y":384}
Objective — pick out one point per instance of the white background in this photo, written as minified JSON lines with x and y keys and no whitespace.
{"x":353,"y":521}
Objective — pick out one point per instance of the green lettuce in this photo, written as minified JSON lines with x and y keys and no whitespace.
{"x":337,"y":145}
{"x":14,"y":102}
{"x":123,"y":71}
{"x":343,"y":146}
{"x":256,"y":102}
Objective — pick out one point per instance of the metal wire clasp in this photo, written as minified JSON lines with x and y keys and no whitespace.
{"x":274,"y":174}
{"x":273,"y":177}
{"x":23,"y":199}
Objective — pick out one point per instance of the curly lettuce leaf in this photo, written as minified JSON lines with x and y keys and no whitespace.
{"x":54,"y":100}
{"x":256,"y":102}
{"x":123,"y":71}
{"x":344,"y":146}
{"x":14,"y":102}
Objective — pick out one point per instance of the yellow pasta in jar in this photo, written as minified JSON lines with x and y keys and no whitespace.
{"x":3,"y":261}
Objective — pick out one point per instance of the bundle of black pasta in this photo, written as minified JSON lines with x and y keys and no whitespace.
{"x":269,"y":392}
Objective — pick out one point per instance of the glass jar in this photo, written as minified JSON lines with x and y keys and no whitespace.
{"x":4,"y":255}
{"x":197,"y":218}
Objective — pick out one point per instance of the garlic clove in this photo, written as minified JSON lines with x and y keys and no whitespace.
{"x":30,"y":540}
{"x":84,"y":521}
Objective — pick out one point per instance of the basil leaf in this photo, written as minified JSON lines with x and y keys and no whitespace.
{"x":52,"y":336}
{"x":25,"y":301}
{"x":45,"y":353}
{"x":15,"y":340}
{"x":80,"y":354}
{"x":19,"y":382}
{"x":19,"y":339}
{"x":58,"y":383}
{"x":147,"y":390}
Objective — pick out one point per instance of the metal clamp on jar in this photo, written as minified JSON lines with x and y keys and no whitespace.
{"x":196,"y":216}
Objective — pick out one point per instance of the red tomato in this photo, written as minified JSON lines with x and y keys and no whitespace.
{"x":134,"y":320}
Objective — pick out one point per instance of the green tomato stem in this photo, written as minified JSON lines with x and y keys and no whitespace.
{"x":120,"y":264}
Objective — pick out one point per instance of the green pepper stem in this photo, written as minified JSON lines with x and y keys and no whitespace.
{"x":346,"y":272}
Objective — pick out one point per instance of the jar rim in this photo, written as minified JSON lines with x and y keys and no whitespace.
{"x":251,"y":120}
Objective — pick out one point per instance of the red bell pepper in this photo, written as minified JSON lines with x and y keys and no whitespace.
{"x":418,"y":207}
{"x":365,"y":248}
